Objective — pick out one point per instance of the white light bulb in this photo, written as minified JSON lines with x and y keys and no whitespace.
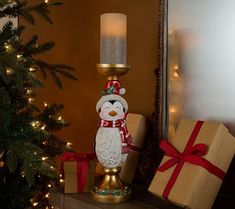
{"x":69,"y":144}
{"x":44,"y":158}
{"x":35,"y":204}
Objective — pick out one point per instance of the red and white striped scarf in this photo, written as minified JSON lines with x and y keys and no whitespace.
{"x":126,"y":137}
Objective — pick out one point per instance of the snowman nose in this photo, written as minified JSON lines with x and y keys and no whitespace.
{"x":112,"y":113}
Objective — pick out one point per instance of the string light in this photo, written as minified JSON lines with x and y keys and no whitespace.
{"x":45,"y":142}
{"x":35,"y":123}
{"x":45,"y":104}
{"x":18,"y":56}
{"x":43,"y":127}
{"x":61,"y":180}
{"x":35,"y":204}
{"x":176,"y":75}
{"x":172,"y":110}
{"x":46,"y":1}
{"x":176,"y":67}
{"x":29,"y":91}
{"x":30,"y":99}
{"x":9,"y":71}
{"x":47,"y":195}
{"x":32,"y":69}
{"x":7,"y":47}
{"x":44,"y":158}
{"x":60,"y":118}
{"x":61,"y":175}
{"x":68,"y":144}
{"x":170,"y":32}
{"x":49,"y":185}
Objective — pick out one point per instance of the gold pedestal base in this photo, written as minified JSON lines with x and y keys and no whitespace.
{"x":111,"y":189}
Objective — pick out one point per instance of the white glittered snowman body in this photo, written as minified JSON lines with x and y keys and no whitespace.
{"x":108,"y":139}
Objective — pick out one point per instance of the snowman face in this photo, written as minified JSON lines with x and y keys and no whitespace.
{"x":111,"y":111}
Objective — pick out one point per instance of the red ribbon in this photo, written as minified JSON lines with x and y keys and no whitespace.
{"x":83,"y":162}
{"x":191,"y":154}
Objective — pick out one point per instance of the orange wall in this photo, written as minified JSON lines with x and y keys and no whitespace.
{"x":76,"y":33}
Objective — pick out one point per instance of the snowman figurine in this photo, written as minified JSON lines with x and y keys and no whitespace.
{"x":113,"y":141}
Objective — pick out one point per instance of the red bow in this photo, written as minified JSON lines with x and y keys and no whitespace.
{"x":191,"y":154}
{"x":83,"y":161}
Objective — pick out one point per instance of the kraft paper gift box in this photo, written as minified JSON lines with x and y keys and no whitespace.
{"x":193,"y":179}
{"x":136,"y":125}
{"x":79,"y":172}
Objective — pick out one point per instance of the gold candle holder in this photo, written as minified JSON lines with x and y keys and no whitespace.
{"x":111,"y":189}
{"x":113,"y":71}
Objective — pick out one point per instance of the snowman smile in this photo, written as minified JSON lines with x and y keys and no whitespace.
{"x":112,"y":113}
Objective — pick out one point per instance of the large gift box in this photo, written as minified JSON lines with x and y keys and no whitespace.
{"x":194,"y":165}
{"x":79,"y":172}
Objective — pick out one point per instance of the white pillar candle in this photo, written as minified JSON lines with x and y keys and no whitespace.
{"x":113,"y":38}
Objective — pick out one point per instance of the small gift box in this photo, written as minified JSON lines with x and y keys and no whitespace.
{"x":136,"y":125}
{"x":194,"y":165}
{"x":79,"y":172}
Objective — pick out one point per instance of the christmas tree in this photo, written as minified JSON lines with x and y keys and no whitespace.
{"x":28,"y":144}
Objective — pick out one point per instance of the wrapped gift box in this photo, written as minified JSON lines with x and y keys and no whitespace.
{"x":79,"y":172}
{"x":136,"y":125}
{"x":193,"y":179}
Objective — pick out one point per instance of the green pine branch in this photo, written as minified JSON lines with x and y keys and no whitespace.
{"x":21,"y":8}
{"x":42,"y":9}
{"x":55,"y":70}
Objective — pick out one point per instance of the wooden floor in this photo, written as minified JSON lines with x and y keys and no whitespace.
{"x":141,"y":199}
